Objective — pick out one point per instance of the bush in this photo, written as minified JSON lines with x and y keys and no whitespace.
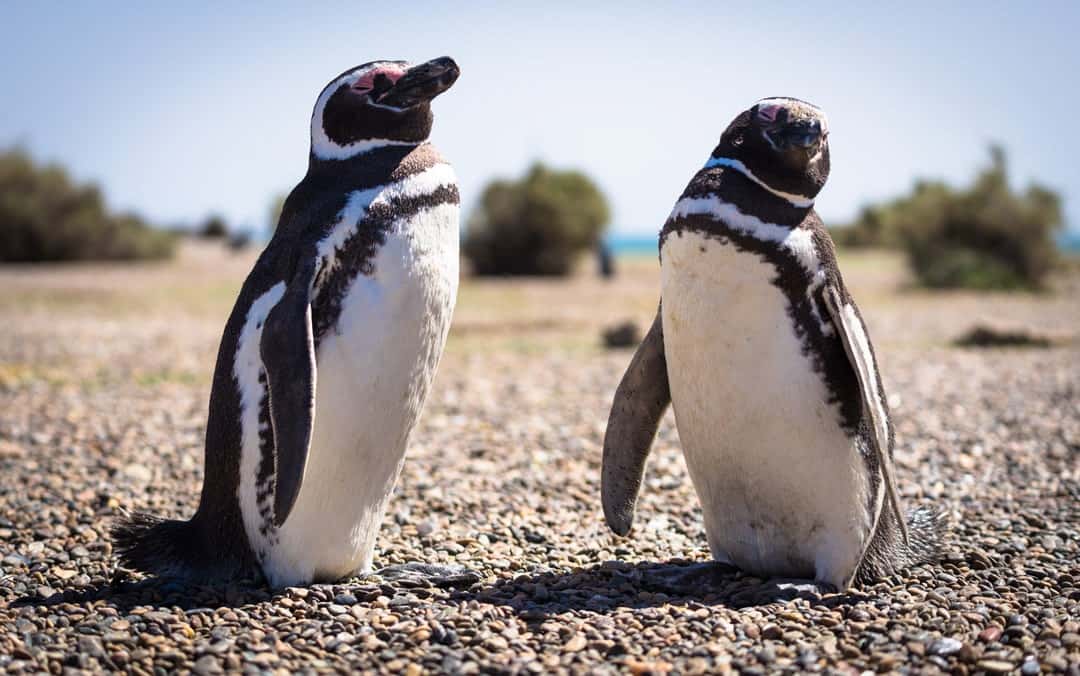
{"x":45,"y":217}
{"x":984,"y":237}
{"x":872,"y":228}
{"x":214,"y":227}
{"x":537,"y":225}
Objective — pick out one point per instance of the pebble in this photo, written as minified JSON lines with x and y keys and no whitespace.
{"x":575,"y":644}
{"x":502,"y":476}
{"x":995,"y":666}
{"x":990,"y":634}
{"x":945,"y":646}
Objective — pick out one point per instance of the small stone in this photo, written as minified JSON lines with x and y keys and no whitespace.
{"x":64,"y":573}
{"x":207,"y":664}
{"x":138,"y":472}
{"x":496,"y":644}
{"x":576,"y":644}
{"x":647,"y":668}
{"x":945,"y":647}
{"x":990,"y":634}
{"x":92,"y":646}
{"x":995,"y":666}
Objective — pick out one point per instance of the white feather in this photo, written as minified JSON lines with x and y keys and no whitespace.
{"x":798,"y":241}
{"x":374,"y":372}
{"x":782,"y":485}
{"x":358,"y":203}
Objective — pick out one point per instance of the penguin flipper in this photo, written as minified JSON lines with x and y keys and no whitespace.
{"x":287,"y":349}
{"x":857,"y":346}
{"x":640,"y":401}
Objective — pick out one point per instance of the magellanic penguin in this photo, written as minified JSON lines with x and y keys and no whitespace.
{"x":764,"y":356}
{"x":329,"y":352}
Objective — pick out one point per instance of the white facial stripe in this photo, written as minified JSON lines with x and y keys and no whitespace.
{"x":424,"y":183}
{"x":784,"y":102}
{"x":798,"y":241}
{"x":790,"y":103}
{"x":321,"y":144}
{"x":799,"y":201}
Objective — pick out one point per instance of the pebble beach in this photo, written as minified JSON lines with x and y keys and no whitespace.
{"x":104,"y":380}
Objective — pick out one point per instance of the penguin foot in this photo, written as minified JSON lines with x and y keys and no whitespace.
{"x":787,"y":589}
{"x":688,"y":580}
{"x":780,"y":589}
{"x":428,"y":575}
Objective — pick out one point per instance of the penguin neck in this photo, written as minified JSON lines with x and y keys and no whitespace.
{"x":798,"y":201}
{"x":374,"y":159}
{"x":731,"y":182}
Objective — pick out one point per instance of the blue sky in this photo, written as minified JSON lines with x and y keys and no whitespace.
{"x":182,"y":109}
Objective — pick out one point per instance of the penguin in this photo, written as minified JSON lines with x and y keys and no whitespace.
{"x":329,"y":352}
{"x":763,"y":354}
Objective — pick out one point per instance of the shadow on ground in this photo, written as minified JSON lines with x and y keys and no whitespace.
{"x":601,"y":588}
{"x":125,"y":593}
{"x":614,"y":585}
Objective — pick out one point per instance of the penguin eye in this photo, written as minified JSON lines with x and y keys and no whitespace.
{"x":381,"y":85}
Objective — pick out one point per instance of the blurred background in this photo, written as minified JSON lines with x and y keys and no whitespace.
{"x":195,"y":118}
{"x":172,"y":134}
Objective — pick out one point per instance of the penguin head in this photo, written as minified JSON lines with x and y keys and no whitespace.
{"x":783,"y":142}
{"x":378,"y":103}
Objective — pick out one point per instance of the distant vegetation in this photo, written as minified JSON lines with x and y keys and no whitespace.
{"x":45,"y":216}
{"x":538,"y":225}
{"x":986,"y":236}
{"x":214,"y":227}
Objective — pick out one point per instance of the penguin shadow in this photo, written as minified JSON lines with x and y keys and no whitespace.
{"x":124,"y":593}
{"x":615,"y":585}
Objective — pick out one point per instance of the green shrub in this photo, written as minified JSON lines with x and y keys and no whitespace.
{"x":46,"y":217}
{"x":538,"y":225}
{"x":872,"y":228}
{"x":214,"y":227}
{"x":986,"y":236}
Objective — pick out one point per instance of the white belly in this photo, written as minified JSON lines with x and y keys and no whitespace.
{"x":373,"y":375}
{"x":781,"y":485}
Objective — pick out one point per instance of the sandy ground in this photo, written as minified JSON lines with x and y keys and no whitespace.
{"x":104,"y":378}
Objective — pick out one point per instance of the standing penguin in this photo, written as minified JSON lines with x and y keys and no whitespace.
{"x":329,"y":352}
{"x":761,"y":350}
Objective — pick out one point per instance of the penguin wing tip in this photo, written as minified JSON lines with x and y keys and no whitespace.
{"x":620,"y":523}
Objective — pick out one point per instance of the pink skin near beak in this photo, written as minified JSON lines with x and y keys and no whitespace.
{"x":392,"y":73}
{"x":768,"y":113}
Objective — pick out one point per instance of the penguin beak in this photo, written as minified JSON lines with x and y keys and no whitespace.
{"x":421,"y":83}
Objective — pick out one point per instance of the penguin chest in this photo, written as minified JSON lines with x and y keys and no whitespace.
{"x":781,"y":483}
{"x":374,"y":369}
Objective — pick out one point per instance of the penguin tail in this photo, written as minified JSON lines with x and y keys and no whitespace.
{"x":926,"y":535}
{"x":888,"y":553}
{"x":162,"y":547}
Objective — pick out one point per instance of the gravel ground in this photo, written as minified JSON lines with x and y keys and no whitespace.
{"x":103,"y":410}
